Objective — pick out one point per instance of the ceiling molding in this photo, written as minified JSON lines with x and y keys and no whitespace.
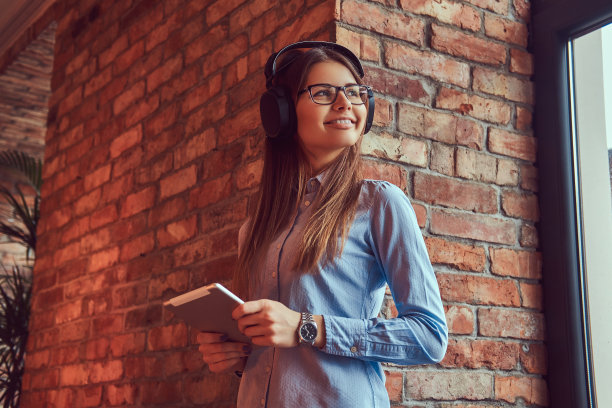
{"x":16,"y":17}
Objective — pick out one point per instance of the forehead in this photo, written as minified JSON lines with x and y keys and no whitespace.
{"x":330,"y":72}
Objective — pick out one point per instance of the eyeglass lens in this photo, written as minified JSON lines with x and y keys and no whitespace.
{"x":326,"y":94}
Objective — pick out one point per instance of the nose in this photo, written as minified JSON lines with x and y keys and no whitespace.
{"x":342,"y":102}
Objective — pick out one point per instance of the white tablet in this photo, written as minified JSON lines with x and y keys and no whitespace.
{"x":209,"y":309}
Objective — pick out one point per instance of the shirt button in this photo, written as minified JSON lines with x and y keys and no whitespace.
{"x":268,"y":369}
{"x":278,"y":246}
{"x":353,"y":349}
{"x":262,"y":402}
{"x":306,"y":203}
{"x":274,"y":274}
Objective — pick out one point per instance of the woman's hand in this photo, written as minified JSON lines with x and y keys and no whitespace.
{"x":268,"y":323}
{"x":222,"y":355}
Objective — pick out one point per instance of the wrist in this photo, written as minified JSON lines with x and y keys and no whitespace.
{"x":320,"y":340}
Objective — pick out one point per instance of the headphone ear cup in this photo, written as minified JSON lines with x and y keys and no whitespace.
{"x":277,"y":113}
{"x":371,"y":106}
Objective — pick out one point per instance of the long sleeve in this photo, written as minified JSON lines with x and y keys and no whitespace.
{"x":419,"y":334}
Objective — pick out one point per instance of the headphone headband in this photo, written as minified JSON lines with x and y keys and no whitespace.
{"x":270,"y":70}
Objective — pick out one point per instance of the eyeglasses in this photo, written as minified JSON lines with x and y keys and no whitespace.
{"x":325,"y":94}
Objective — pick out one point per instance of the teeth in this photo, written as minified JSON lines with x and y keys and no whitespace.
{"x":343,"y":121}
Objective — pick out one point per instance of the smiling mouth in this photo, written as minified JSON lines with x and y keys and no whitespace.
{"x":340,"y":121}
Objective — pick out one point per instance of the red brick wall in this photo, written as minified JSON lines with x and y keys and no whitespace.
{"x":454,"y":109}
{"x":154,"y":151}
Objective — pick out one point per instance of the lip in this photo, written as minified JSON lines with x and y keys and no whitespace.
{"x":341,"y":125}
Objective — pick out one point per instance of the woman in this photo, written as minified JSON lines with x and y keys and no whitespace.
{"x":325,"y":242}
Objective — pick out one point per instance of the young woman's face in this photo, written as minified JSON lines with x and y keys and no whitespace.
{"x":325,"y":130}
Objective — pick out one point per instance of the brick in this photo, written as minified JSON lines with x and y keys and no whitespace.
{"x":460,"y":319}
{"x":219,"y":9}
{"x":206,"y":43}
{"x":377,"y":19}
{"x":524,"y":119}
{"x":511,"y":323}
{"x":518,"y":264}
{"x":457,"y":14}
{"x":529,"y":177}
{"x":244,"y":121}
{"x":98,"y":177}
{"x":206,"y":116}
{"x":177,"y":232}
{"x":88,"y":202}
{"x":103,"y":259}
{"x":217,"y":216}
{"x":456,"y":255}
{"x":244,"y":16}
{"x":473,"y":105}
{"x":520,"y":205}
{"x":478,"y":227}
{"x":531,"y":390}
{"x":178,"y":182}
{"x":129,"y":343}
{"x":439,"y":126}
{"x":506,"y":86}
{"x":529,"y":236}
{"x":384,"y":112}
{"x":474,"y":165}
{"x":522,"y":9}
{"x":95,"y":241}
{"x":96,"y":349}
{"x":534,"y":358}
{"x":98,"y":81}
{"x":452,"y":193}
{"x":224,"y":56}
{"x":163,"y":73}
{"x":300,"y":25}
{"x":506,"y":30}
{"x":143,"y":109}
{"x":106,"y":371}
{"x":138,"y":201}
{"x":468,"y":46}
{"x":402,"y":149}
{"x":187,"y":78}
{"x":494,"y":355}
{"x":202,"y":94}
{"x":394,"y":383}
{"x":426,"y":63}
{"x":479,"y":290}
{"x":388,"y":83}
{"x":521,"y":62}
{"x":497,"y":6}
{"x":364,"y":46}
{"x":384,"y":171}
{"x":117,"y":187}
{"x":172,"y":283}
{"x":107,"y":324}
{"x":125,"y":141}
{"x":420,"y":211}
{"x":210,"y":192}
{"x":139,"y":246}
{"x":128,"y":96}
{"x":122,"y":394}
{"x":158,"y":151}
{"x":531,"y":295}
{"x":117,"y":46}
{"x":71,"y":137}
{"x":507,"y":173}
{"x":75,"y":374}
{"x":442,"y":159}
{"x":512,"y":144}
{"x":249,"y":175}
{"x":103,"y":216}
{"x":449,"y":385}
{"x":163,"y":338}
{"x":167,"y":210}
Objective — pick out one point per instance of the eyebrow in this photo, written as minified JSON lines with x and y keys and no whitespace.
{"x":324,"y":83}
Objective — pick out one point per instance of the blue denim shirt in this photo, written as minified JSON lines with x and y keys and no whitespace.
{"x":384,"y":247}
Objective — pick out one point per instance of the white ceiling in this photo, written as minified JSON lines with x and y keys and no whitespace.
{"x":16,"y":16}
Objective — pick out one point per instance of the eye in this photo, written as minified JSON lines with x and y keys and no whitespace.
{"x":352,"y":91}
{"x":321,"y":92}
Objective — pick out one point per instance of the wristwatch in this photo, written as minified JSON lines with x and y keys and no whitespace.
{"x":307,"y":331}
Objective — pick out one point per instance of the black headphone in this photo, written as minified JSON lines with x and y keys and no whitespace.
{"x":276,"y":104}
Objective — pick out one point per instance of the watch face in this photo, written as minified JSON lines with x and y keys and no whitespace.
{"x":308,"y":331}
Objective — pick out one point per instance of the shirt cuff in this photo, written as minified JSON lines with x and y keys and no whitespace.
{"x":344,"y":336}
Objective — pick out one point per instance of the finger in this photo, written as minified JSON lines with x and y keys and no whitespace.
{"x":247,"y":308}
{"x":216,"y":358}
{"x":209,"y":337}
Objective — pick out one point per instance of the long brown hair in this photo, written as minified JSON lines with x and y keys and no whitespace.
{"x":285,"y":173}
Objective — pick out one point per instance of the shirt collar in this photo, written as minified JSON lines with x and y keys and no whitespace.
{"x":314,"y":183}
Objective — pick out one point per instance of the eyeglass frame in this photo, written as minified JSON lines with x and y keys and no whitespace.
{"x":338,"y":89}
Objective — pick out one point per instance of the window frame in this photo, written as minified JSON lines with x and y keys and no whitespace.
{"x":554,"y":23}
